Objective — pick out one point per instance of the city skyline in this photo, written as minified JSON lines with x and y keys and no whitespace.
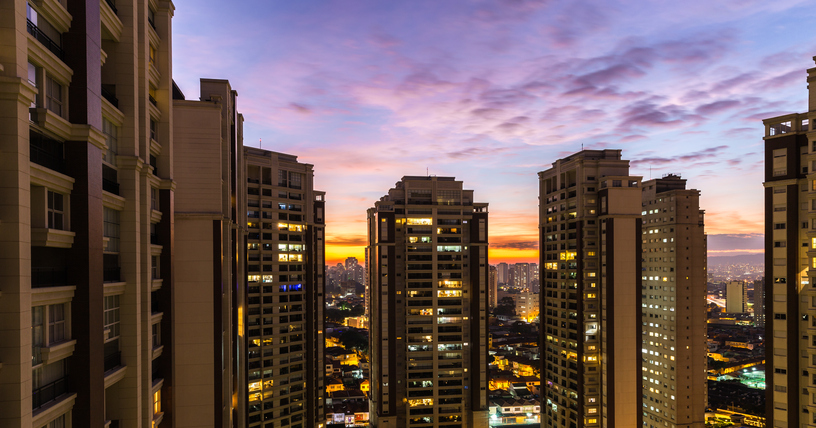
{"x":400,"y":89}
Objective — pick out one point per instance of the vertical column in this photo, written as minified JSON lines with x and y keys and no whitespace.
{"x":84,"y":163}
{"x":15,"y":256}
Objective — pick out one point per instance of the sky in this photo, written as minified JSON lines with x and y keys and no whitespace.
{"x":492,"y":92}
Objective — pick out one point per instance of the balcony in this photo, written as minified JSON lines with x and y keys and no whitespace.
{"x":109,"y":92}
{"x":46,"y":152}
{"x":110,"y":182}
{"x":112,"y":274}
{"x":48,"y":277}
{"x":112,"y":4}
{"x":113,"y":360}
{"x":48,"y":393}
{"x":46,"y":41}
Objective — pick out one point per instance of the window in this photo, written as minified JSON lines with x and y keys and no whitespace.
{"x":157,"y":403}
{"x":152,"y":57}
{"x":151,"y":18}
{"x":37,"y":334}
{"x":56,"y":212}
{"x":156,"y":335}
{"x":111,"y":132}
{"x":111,"y":229}
{"x":33,"y":73}
{"x":53,"y":95}
{"x":111,"y":317}
{"x":153,"y":130}
{"x":154,"y":199}
{"x":56,"y":323}
{"x":154,"y":267}
{"x":779,"y":226}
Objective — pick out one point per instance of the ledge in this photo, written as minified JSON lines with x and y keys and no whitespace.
{"x":110,"y":21}
{"x":155,"y":113}
{"x":157,"y":284}
{"x":43,"y":415}
{"x":45,"y":58}
{"x":157,"y":352}
{"x":110,"y":200}
{"x":54,"y":238}
{"x":114,"y":375}
{"x":155,"y":216}
{"x":58,"y":351}
{"x":156,"y":318}
{"x":155,"y":147}
{"x":89,"y":134}
{"x":46,"y":177}
{"x":52,"y":123}
{"x":112,"y":113}
{"x":113,"y":288}
{"x":155,"y":76}
{"x":52,"y":295}
{"x":56,"y":14}
{"x":155,"y":250}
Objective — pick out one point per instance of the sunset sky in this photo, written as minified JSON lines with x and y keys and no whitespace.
{"x":492,"y":92}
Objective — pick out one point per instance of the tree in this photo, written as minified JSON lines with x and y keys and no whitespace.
{"x":507,"y":306}
{"x":353,"y":339}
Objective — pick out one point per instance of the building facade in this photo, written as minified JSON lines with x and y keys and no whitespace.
{"x":736,"y":297}
{"x":210,"y":227}
{"x":86,"y":213}
{"x":428,"y":273}
{"x":673,"y":316}
{"x":790,"y":265}
{"x":590,"y":231}
{"x":285,"y":272}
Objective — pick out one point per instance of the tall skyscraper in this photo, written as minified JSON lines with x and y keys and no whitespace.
{"x":493,"y":289}
{"x":286,"y":270}
{"x":86,"y":214}
{"x":790,"y":265}
{"x":428,"y":273}
{"x":673,"y":313}
{"x":759,"y":302}
{"x":736,"y":297}
{"x":503,"y":270}
{"x":209,"y":287}
{"x":591,"y":330}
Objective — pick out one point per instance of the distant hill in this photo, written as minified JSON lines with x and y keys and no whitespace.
{"x":730,"y":260}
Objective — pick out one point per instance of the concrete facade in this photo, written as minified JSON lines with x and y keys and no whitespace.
{"x":590,"y":229}
{"x":674,"y":297}
{"x":285,"y":272}
{"x":790,"y":265}
{"x":428,"y":273}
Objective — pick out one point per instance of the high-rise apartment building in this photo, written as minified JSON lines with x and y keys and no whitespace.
{"x":736,"y":297}
{"x":759,"y":303}
{"x":503,"y":272}
{"x":673,"y":314}
{"x":428,"y":272}
{"x":86,"y":214}
{"x":493,"y":289}
{"x":209,"y":290}
{"x":286,"y":271}
{"x":790,"y":266}
{"x":591,"y":330}
{"x":527,"y":305}
{"x":521,"y":275}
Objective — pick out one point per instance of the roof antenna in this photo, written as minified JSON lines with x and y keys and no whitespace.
{"x":260,"y":142}
{"x":427,"y":172}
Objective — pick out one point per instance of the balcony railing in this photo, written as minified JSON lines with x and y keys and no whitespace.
{"x":112,"y":5}
{"x":109,"y":91}
{"x":52,"y":46}
{"x":113,"y":360}
{"x":111,"y":274}
{"x":48,"y":277}
{"x":152,"y":100}
{"x":110,"y":182}
{"x":46,"y":152}
{"x":50,"y":392}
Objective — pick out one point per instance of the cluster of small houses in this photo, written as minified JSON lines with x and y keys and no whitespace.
{"x":514,"y":382}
